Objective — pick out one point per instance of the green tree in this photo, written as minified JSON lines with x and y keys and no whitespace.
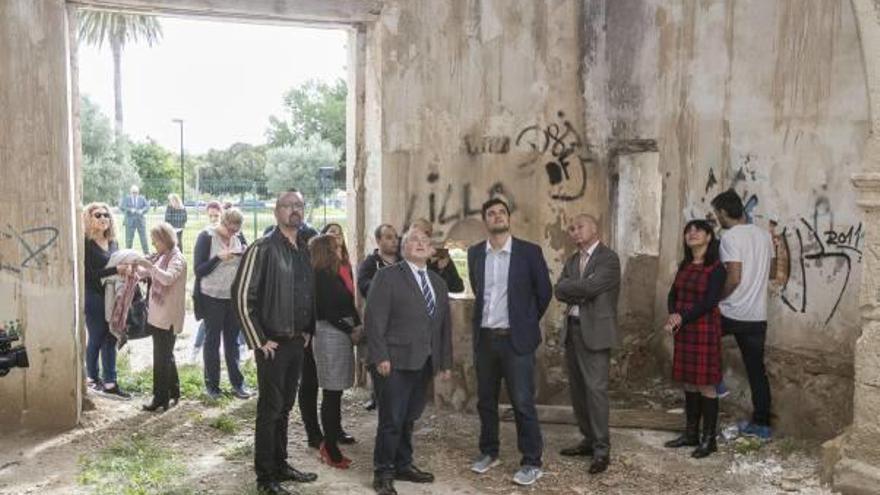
{"x":314,"y":108}
{"x":235,"y":170}
{"x":107,"y":169}
{"x":159,"y":171}
{"x":297,"y":165}
{"x":97,"y":27}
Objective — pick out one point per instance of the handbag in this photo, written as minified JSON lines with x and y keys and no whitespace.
{"x":136,"y":320}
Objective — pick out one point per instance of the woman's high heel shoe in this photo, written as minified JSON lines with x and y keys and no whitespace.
{"x":343,"y":463}
{"x":153,"y":406}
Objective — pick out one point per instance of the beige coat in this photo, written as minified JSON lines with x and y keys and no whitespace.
{"x":171,"y":313}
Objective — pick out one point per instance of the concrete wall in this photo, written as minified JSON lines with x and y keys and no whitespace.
{"x":768,"y":98}
{"x":37,"y":232}
{"x":475,"y":99}
{"x":567,"y":106}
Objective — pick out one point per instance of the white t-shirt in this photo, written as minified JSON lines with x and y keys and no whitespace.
{"x":753,"y":247}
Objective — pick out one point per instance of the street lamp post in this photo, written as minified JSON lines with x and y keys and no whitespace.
{"x":325,"y":178}
{"x":182,"y":190}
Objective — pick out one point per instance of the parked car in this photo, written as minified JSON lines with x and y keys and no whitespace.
{"x":251,"y":203}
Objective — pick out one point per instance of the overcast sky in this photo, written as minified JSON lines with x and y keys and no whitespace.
{"x":223,"y":79}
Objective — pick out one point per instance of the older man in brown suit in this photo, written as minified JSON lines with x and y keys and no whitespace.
{"x":589,"y":284}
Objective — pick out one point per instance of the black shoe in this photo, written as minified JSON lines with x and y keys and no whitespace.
{"x":414,"y":475}
{"x":289,"y":473}
{"x":691,"y":435}
{"x":581,"y":449}
{"x":155,"y":405}
{"x":272,"y":488}
{"x":709,"y":411}
{"x":214,"y":394}
{"x":116,"y":392}
{"x":370,"y":405}
{"x":599,"y":465}
{"x":384,"y":486}
{"x":241,"y":393}
{"x":346,"y":439}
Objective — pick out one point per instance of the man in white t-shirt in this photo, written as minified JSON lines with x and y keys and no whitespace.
{"x":749,"y":255}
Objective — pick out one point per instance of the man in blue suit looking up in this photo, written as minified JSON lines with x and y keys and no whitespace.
{"x":512,"y":288}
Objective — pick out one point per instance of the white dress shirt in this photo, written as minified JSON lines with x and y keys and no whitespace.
{"x":495,"y":273}
{"x":574,"y":310}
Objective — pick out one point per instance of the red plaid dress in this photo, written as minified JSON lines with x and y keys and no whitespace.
{"x":697,"y":356}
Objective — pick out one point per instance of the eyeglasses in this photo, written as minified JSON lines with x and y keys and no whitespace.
{"x":101,"y":215}
{"x":292,"y":206}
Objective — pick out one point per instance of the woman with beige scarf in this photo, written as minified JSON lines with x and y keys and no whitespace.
{"x":165,"y":314}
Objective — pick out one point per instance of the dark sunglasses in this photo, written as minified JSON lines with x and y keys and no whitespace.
{"x":101,"y":215}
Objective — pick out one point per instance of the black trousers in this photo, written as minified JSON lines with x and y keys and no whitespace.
{"x":308,"y":397}
{"x":277,"y":381}
{"x":166,"y":383}
{"x":331,"y":420}
{"x":751,"y":337}
{"x":401,"y":401}
{"x":221,"y":321}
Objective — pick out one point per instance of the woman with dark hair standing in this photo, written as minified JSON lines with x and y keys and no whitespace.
{"x":308,"y":387}
{"x":337,"y":329}
{"x":100,"y":242}
{"x":695,"y":322}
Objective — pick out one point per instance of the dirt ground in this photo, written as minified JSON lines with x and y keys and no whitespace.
{"x":215,"y":462}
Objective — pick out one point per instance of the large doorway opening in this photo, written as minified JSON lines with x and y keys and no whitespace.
{"x":183,"y":119}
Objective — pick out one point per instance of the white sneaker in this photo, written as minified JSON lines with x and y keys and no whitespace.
{"x":484,"y":463}
{"x":527,"y":475}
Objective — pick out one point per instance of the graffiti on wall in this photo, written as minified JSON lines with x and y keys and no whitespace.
{"x":815,"y":249}
{"x":564,"y":155}
{"x":31,"y":245}
{"x":453,"y":202}
{"x":819,"y":256}
{"x":482,"y":145}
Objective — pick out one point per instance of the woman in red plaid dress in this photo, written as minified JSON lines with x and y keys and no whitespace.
{"x":695,"y":322}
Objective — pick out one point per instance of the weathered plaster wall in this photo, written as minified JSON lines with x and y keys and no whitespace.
{"x":768,"y":98}
{"x":37,"y":251}
{"x":481,"y":98}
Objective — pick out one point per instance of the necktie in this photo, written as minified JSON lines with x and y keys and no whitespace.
{"x":582,"y":265}
{"x":426,"y":292}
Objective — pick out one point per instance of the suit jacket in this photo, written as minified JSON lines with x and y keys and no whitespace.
{"x":595,"y":292}
{"x":134,"y":209}
{"x":528,"y":292}
{"x":397,"y":323}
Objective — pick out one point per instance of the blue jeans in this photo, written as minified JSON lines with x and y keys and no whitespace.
{"x":101,"y":341}
{"x":496,"y":359}
{"x":221,"y":322}
{"x":199,"y":341}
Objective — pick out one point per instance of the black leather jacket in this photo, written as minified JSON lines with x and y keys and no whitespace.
{"x":274,"y":290}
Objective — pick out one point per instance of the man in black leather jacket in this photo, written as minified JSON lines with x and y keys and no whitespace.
{"x":273,"y":294}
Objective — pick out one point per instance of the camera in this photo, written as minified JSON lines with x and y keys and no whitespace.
{"x":11,"y":357}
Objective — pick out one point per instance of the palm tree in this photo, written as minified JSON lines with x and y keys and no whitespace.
{"x":97,"y":27}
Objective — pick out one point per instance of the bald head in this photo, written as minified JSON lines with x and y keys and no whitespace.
{"x":584,"y":230}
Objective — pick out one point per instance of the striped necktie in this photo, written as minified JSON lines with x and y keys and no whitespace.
{"x":426,"y":293}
